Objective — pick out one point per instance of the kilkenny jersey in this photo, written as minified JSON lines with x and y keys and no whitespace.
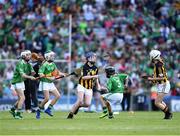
{"x":87,"y":70}
{"x":46,"y":69}
{"x":160,"y":71}
{"x":22,"y":67}
{"x":116,"y":82}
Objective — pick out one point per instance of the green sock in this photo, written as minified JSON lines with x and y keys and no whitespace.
{"x":41,"y":108}
{"x":50,"y":106}
{"x":104,"y":110}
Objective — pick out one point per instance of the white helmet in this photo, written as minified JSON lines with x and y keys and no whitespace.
{"x":154,"y":54}
{"x":49,"y":56}
{"x":25,"y":53}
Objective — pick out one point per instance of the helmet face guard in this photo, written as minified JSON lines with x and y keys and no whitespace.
{"x":49,"y":56}
{"x":109,"y":71}
{"x":26,"y":55}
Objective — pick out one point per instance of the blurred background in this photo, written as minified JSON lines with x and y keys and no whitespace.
{"x":126,"y":30}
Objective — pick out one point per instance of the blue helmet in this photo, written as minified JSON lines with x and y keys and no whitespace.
{"x":89,"y":55}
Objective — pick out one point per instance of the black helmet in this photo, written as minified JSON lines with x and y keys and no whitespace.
{"x":109,"y":71}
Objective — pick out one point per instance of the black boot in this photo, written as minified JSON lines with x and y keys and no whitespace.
{"x":70,"y":116}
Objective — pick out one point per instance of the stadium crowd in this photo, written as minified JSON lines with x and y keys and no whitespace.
{"x":126,"y":29}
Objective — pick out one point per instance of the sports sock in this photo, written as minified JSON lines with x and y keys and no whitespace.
{"x":105,"y":110}
{"x":50,"y":106}
{"x":166,"y":110}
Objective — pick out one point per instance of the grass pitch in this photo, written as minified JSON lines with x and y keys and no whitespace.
{"x":125,"y":123}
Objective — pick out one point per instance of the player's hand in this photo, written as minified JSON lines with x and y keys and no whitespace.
{"x":32,"y":78}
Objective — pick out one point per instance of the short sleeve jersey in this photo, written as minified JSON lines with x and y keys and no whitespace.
{"x":47,"y":68}
{"x":116,"y":83}
{"x":22,"y":67}
{"x":87,"y":70}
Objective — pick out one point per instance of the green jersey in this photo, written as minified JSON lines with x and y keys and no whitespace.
{"x":116,"y":83}
{"x":22,"y":67}
{"x":46,"y":69}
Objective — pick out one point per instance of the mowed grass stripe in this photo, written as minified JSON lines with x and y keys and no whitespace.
{"x":139,"y":123}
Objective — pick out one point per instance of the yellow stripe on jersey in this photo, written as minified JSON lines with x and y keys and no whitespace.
{"x":88,"y":83}
{"x":160,"y":71}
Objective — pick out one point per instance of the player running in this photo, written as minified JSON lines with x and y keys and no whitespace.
{"x":46,"y":83}
{"x":116,"y":86}
{"x":86,"y":82}
{"x":23,"y":68}
{"x":160,"y":78}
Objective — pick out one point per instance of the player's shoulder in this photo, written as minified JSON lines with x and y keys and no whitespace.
{"x":20,"y":62}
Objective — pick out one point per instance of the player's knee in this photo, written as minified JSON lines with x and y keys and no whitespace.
{"x":58,"y":96}
{"x":157,"y":102}
{"x":46,"y":99}
{"x":22,"y":98}
{"x":80,"y":103}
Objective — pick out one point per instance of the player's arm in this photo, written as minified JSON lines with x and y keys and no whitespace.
{"x":23,"y":74}
{"x":98,"y":86}
{"x":85,"y":76}
{"x":90,"y":77}
{"x":156,"y":78}
{"x":41,"y":71}
{"x":28,"y":77}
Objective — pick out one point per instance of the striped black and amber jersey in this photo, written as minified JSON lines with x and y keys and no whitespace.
{"x":160,"y":71}
{"x":87,"y":70}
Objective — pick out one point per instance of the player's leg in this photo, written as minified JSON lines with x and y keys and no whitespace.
{"x":76,"y":106}
{"x":14,"y":107}
{"x":104,"y":106}
{"x":163,"y":89}
{"x":109,"y":109}
{"x":160,"y":104}
{"x":18,"y":111}
{"x":41,"y":105}
{"x":87,"y":98}
{"x":97,"y":96}
{"x":111,"y":99}
{"x":56,"y":98}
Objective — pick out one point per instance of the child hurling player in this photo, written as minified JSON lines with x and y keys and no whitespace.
{"x":86,"y":82}
{"x":20,"y":74}
{"x":160,"y":78}
{"x":115,"y":85}
{"x":46,"y":83}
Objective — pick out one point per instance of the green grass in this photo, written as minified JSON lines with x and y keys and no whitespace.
{"x":125,"y":123}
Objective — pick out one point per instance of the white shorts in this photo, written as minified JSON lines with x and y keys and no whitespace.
{"x":164,"y":88}
{"x":81,"y":88}
{"x":18,"y":86}
{"x":44,"y":86}
{"x":113,"y":97}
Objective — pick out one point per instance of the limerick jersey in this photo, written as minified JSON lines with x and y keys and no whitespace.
{"x":87,"y":70}
{"x":22,"y":67}
{"x":116,"y":83}
{"x":160,"y":71}
{"x":46,"y":69}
